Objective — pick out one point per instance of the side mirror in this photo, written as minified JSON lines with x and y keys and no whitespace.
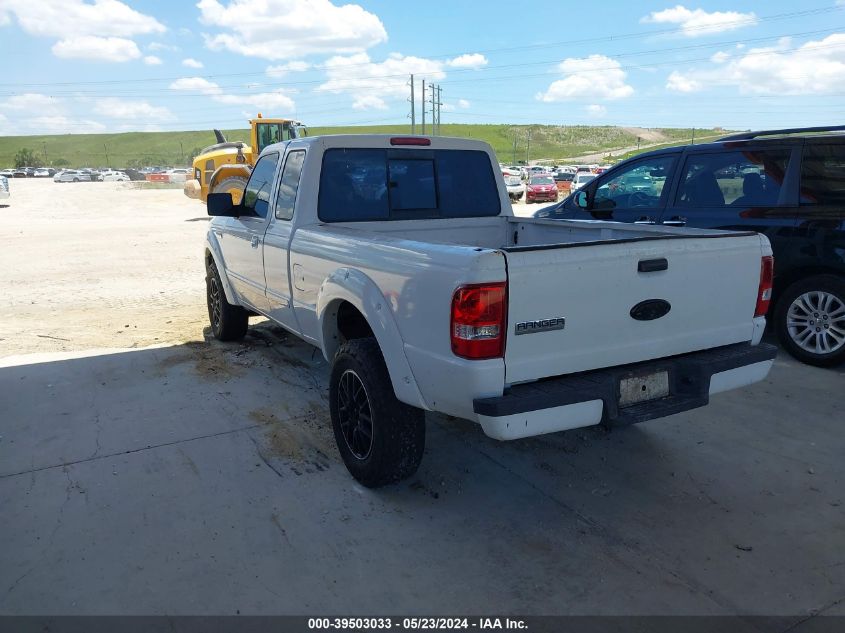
{"x":581,"y":200}
{"x":221,"y":204}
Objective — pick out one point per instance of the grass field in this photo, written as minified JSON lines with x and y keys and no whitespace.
{"x":175,"y":148}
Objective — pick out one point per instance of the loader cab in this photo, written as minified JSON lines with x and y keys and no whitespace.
{"x":269,"y":131}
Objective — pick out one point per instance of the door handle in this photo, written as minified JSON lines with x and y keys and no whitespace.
{"x":255,"y":241}
{"x":676,"y":221}
{"x":645,"y":220}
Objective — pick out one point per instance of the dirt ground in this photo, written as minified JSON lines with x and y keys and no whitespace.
{"x":114,"y":266}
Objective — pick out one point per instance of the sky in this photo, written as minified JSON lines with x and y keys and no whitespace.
{"x":82,"y":66}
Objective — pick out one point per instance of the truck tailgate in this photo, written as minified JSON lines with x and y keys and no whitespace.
{"x":571,"y":307}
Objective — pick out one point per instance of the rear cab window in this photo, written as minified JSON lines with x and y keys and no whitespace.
{"x":358,"y":185}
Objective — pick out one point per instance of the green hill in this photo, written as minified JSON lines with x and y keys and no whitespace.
{"x":176,"y":148}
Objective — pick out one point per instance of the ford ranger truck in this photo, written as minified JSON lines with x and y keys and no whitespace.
{"x":400,"y":258}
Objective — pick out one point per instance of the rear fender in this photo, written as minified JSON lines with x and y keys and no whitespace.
{"x":353,"y":286}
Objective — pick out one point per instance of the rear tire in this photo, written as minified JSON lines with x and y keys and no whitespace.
{"x":228,"y":322}
{"x":380,"y":439}
{"x":810,"y":320}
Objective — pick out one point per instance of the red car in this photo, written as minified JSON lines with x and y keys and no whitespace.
{"x":541,"y":189}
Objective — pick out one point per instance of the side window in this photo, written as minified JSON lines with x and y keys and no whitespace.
{"x":823,"y":175}
{"x":639,"y":185}
{"x":736,"y":178}
{"x":209,"y":169}
{"x":257,"y":192}
{"x":289,"y":185}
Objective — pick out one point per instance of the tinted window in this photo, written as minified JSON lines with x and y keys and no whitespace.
{"x":257,"y":193}
{"x":736,"y":178}
{"x":638,"y":184}
{"x":289,"y":185}
{"x":823,"y":175}
{"x":381,"y":184}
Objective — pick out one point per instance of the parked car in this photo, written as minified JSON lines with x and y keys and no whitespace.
{"x":72,"y":175}
{"x":4,"y":187}
{"x":563,"y":181}
{"x":41,"y":173}
{"x":8,"y":173}
{"x":541,"y":189}
{"x":19,"y":172}
{"x":114,"y":176}
{"x":435,"y":297}
{"x":581,"y":179}
{"x":786,"y":184}
{"x":178,"y":175}
{"x":514,"y":186}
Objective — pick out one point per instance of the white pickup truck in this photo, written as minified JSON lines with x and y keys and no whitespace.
{"x":400,"y":258}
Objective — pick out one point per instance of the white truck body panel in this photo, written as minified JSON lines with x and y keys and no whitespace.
{"x":401,"y":276}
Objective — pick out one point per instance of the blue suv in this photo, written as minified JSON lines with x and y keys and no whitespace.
{"x":787,"y":184}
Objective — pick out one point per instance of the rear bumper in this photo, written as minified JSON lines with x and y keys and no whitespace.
{"x":592,"y":397}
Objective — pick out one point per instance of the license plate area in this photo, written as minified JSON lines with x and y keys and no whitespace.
{"x":642,"y":387}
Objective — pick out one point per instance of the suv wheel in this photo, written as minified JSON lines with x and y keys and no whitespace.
{"x":810,"y":320}
{"x":380,"y":439}
{"x":228,"y":322}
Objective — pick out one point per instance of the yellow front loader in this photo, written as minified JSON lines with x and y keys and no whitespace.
{"x":226,"y":166}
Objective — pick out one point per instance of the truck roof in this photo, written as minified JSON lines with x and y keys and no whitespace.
{"x":383,"y":140}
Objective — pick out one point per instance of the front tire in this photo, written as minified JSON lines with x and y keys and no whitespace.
{"x":228,"y":322}
{"x":380,"y":439}
{"x":810,"y":320}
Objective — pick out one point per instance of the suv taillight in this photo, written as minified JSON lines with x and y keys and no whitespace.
{"x":478,"y":322}
{"x":764,"y":291}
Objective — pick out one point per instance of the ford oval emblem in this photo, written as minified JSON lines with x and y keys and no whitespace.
{"x":650,"y":309}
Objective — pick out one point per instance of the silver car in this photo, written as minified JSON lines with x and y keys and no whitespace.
{"x":72,"y":175}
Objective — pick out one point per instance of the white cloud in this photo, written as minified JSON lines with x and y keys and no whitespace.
{"x":371,"y":83}
{"x":697,"y":22}
{"x":596,"y":111}
{"x":126,"y":109}
{"x":190,"y":62}
{"x":720,"y":57}
{"x":281,"y":70}
{"x":196,"y":84}
{"x":99,"y":30}
{"x":473,"y":60}
{"x":159,"y":46}
{"x":463,"y":103}
{"x":596,"y":77}
{"x":284,"y":29}
{"x":107,"y":49}
{"x":277,"y":101}
{"x":51,"y":116}
{"x":676,"y":82}
{"x":152,"y":60}
{"x":816,"y":67}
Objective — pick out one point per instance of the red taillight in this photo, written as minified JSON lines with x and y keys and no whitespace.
{"x":410,"y":140}
{"x":478,"y":321}
{"x":764,"y":291}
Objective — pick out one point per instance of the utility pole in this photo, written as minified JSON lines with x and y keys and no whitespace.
{"x":413,"y":115}
{"x":528,"y":148}
{"x":45,"y":152}
{"x":181,"y":154}
{"x":422,"y":101}
{"x":513,"y":158}
{"x":439,"y":108}
{"x":433,"y":110}
{"x":692,"y":142}
{"x":106,"y":149}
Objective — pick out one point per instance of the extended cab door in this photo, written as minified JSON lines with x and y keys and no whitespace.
{"x":277,"y":242}
{"x":242,"y":239}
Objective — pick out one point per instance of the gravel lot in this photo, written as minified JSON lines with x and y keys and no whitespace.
{"x":144,"y":469}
